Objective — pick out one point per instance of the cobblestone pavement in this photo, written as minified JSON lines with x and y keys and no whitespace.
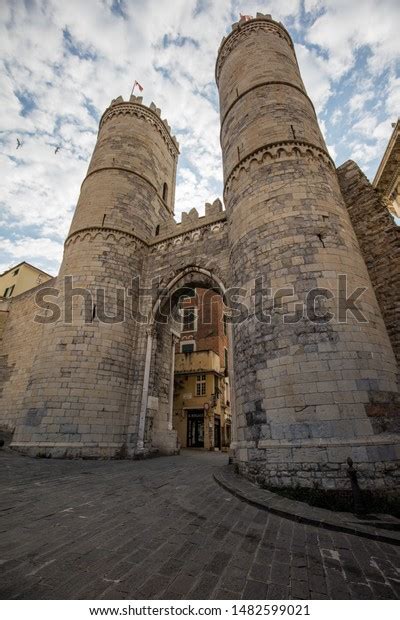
{"x":163,"y":529}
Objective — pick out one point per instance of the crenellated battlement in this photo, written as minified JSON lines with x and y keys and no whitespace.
{"x":312,"y":370}
{"x":191,"y":221}
{"x":214,"y":212}
{"x":151,"y":114}
{"x":244,"y":28}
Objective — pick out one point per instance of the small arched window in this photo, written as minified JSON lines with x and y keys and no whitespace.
{"x":157,"y":230}
{"x":165,"y":192}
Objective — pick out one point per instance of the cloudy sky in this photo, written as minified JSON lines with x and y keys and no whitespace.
{"x":63,"y":61}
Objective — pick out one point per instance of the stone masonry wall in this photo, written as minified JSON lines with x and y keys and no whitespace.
{"x":75,"y":402}
{"x":134,"y":157}
{"x":21,"y":340}
{"x":198,"y":256}
{"x":81,"y":382}
{"x":379,"y":239}
{"x":307,"y":392}
{"x":303,"y":387}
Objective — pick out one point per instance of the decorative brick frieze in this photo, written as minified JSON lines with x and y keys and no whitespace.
{"x":140,"y":111}
{"x":107,"y":234}
{"x":311,"y":383}
{"x":190,"y":235}
{"x":278,"y":151}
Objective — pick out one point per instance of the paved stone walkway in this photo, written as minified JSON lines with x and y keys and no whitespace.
{"x":375,"y":526}
{"x":164,"y":529}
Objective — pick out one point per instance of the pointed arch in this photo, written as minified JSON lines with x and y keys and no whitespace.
{"x":186,"y":276}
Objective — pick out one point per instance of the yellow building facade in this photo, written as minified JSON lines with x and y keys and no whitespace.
{"x":202,"y":416}
{"x":21,"y":278}
{"x":15,"y":281}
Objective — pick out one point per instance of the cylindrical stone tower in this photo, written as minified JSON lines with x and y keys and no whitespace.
{"x":309,"y":391}
{"x":81,"y":398}
{"x":130,"y":183}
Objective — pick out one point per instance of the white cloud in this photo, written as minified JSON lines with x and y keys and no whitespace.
{"x":393,"y":97}
{"x":312,"y":5}
{"x":344,"y":27}
{"x":336,"y":116}
{"x":359,"y":100}
{"x":314,"y":70}
{"x":42,"y":250}
{"x":370,"y":127}
{"x":363,"y":153}
{"x":52,"y":96}
{"x":382,"y":131}
{"x":332,"y":151}
{"x":366,"y":125}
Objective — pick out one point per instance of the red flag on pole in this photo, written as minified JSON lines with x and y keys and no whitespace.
{"x":136,"y":83}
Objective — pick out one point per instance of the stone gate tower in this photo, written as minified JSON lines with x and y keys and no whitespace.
{"x":305,"y":387}
{"x":313,"y":383}
{"x":78,"y":394}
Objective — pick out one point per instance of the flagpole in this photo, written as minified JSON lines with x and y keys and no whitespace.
{"x":136,"y":83}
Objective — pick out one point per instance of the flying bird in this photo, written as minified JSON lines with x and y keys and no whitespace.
{"x":57,"y":149}
{"x":19,"y":143}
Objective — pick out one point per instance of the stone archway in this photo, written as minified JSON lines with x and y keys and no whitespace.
{"x":156,"y":407}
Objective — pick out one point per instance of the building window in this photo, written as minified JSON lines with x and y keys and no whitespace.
{"x":165,"y":192}
{"x":157,"y":230}
{"x":225,"y":328}
{"x":9,"y":291}
{"x":226,"y":360}
{"x":189,"y":319}
{"x":16,"y":272}
{"x":187,"y":294}
{"x":200,"y":385}
{"x":187,"y":347}
{"x":216,"y":385}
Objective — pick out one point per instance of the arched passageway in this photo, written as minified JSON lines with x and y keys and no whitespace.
{"x":201,"y":418}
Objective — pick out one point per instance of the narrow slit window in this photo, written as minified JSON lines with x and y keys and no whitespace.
{"x":165,"y":192}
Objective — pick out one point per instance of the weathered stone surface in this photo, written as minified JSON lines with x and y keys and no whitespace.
{"x":306,"y":393}
{"x":162,"y":529}
{"x":288,"y":223}
{"x":379,"y":240}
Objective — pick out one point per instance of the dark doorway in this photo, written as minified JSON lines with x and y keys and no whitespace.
{"x":217,"y":432}
{"x":195,"y":428}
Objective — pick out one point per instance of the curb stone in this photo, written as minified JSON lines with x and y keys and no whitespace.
{"x":300,"y":511}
